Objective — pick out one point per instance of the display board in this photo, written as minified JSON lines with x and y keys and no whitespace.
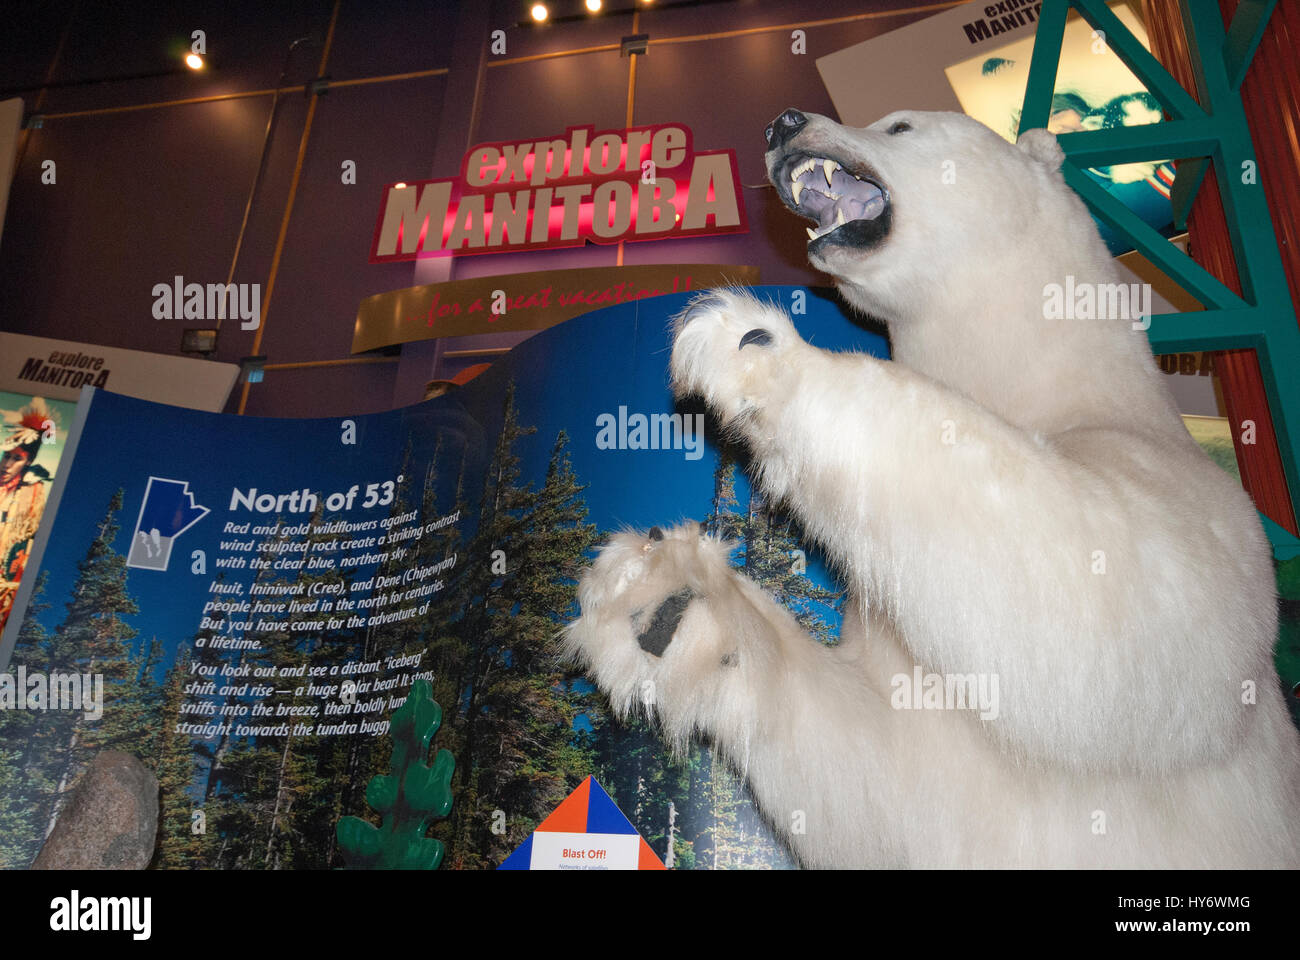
{"x":58,"y":369}
{"x":245,"y":602}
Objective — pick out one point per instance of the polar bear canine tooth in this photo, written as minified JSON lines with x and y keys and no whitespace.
{"x":829,"y":167}
{"x":820,"y":232}
{"x":758,"y":336}
{"x":796,"y":188}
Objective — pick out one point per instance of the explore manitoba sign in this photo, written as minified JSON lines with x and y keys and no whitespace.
{"x":643,"y":183}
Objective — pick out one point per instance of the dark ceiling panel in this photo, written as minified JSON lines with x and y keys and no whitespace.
{"x":139,"y":198}
{"x":388,"y":132}
{"x":119,"y":54}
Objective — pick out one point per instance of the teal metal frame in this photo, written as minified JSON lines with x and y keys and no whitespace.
{"x":1213,"y":130}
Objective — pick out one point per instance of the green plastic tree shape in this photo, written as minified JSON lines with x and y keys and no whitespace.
{"x":409,"y":798}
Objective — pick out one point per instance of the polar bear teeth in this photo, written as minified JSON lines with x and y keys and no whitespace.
{"x":840,"y":220}
{"x":856,"y":199}
{"x":808,"y":166}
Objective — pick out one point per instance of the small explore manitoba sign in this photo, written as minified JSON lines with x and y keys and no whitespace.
{"x":643,"y":183}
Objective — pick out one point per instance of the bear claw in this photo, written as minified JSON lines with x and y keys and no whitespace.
{"x":758,"y":336}
{"x":655,"y":638}
{"x":703,"y":305}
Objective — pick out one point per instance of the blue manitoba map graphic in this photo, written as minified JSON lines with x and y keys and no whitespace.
{"x":168,"y":511}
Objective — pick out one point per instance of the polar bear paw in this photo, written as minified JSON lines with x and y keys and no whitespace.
{"x":653,"y":633}
{"x":734,"y":350}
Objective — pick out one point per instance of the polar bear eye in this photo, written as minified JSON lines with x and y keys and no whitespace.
{"x":900,"y":127}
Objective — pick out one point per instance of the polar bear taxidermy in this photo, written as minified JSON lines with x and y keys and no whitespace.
{"x":1012,"y":499}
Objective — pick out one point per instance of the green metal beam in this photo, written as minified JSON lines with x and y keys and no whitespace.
{"x":1188,"y":177}
{"x":1205,"y":330}
{"x":1152,"y":141}
{"x":1216,"y":131}
{"x":1137,"y":58}
{"x":1250,"y":230}
{"x":1042,"y":66}
{"x":1247,"y":29}
{"x":1202,"y":285}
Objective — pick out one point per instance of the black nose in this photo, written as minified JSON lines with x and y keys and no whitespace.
{"x":784,"y":127}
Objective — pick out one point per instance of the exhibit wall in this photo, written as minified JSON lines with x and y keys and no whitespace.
{"x":137,"y":171}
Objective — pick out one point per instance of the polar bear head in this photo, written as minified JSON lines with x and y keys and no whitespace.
{"x":918,"y":198}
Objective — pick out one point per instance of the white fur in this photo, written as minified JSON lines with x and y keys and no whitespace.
{"x":1122,"y":738}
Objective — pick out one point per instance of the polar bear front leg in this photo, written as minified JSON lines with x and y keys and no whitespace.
{"x":856,"y":448}
{"x":982,"y":546}
{"x":810,"y":416}
{"x":670,"y":628}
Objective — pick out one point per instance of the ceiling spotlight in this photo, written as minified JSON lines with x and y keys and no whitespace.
{"x":593,"y":6}
{"x":540,"y":12}
{"x":194,"y":61}
{"x":399,"y":186}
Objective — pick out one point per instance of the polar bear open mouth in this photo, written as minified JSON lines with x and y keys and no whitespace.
{"x":849,"y":209}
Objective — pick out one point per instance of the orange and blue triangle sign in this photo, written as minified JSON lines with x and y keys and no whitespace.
{"x":585,"y":832}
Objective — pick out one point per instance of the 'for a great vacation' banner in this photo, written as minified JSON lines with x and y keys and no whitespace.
{"x":243,"y":603}
{"x":524,"y":301}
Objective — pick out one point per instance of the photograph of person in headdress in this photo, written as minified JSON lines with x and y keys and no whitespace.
{"x":23,"y":484}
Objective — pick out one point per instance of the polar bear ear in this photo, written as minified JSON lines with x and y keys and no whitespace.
{"x":1041,"y":144}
